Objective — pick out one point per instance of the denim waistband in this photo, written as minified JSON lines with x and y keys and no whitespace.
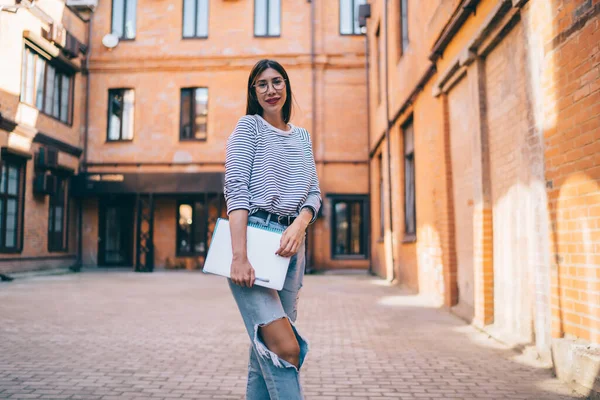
{"x":284,"y":220}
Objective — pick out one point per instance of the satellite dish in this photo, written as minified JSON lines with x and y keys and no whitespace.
{"x":110,"y":40}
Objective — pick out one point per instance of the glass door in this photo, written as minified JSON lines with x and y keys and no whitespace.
{"x":115,"y":247}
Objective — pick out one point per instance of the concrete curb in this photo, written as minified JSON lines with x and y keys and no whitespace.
{"x":578,"y":364}
{"x":36,"y":273}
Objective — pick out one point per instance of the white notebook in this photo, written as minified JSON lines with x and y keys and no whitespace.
{"x":262,"y":243}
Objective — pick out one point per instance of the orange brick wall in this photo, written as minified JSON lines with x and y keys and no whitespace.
{"x":508,"y":196}
{"x":513,"y":236}
{"x":572,"y":165}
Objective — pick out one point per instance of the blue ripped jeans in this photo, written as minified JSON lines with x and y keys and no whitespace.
{"x":270,"y":377}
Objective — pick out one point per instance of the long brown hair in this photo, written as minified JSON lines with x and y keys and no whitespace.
{"x":253,"y":106}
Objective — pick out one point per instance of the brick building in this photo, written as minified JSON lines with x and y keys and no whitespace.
{"x":485,"y":157}
{"x":165,"y":99}
{"x":42,"y":50}
{"x":137,"y":148}
{"x":465,"y":167}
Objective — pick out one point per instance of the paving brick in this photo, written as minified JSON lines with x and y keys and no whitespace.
{"x":178,"y":334}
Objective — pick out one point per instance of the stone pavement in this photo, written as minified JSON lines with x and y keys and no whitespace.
{"x":107,"y":335}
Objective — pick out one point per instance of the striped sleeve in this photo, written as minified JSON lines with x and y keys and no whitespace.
{"x":239,"y":157}
{"x":313,"y":200}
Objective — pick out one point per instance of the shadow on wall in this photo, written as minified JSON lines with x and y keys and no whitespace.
{"x":573,"y":176}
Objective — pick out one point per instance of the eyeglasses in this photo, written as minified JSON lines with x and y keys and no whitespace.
{"x":263,"y":86}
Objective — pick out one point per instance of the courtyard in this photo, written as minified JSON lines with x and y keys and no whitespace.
{"x":114,"y":334}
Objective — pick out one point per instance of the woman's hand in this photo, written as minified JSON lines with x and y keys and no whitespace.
{"x":242,"y":273}
{"x":292,"y":237}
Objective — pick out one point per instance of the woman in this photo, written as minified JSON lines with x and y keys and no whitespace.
{"x":270,"y":179}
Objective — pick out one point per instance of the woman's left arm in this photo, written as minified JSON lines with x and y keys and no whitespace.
{"x":313,"y":200}
{"x":292,"y":237}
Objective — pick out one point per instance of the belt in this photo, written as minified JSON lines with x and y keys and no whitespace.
{"x":285,"y":220}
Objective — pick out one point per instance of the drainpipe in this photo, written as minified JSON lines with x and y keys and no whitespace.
{"x":367,"y":67}
{"x":83,"y":164}
{"x":314,"y":108}
{"x":364,"y":13}
{"x":387,"y":138}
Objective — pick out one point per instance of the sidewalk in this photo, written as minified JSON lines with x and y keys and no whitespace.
{"x":106,"y":335}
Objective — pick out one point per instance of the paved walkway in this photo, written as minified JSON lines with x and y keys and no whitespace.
{"x":119,"y":335}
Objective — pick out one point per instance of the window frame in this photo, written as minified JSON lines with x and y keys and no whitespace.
{"x":195,"y":36}
{"x":409,"y":157}
{"x":108,"y":113}
{"x":403,"y":36}
{"x":267,"y":35}
{"x":60,"y":71}
{"x":112,"y":13}
{"x":354,"y":18}
{"x":63,"y":244}
{"x":21,"y":165}
{"x":192,"y":113}
{"x":364,"y":233}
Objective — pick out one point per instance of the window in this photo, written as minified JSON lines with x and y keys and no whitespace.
{"x":120,"y":114}
{"x":191,"y":227}
{"x":410,"y":215}
{"x":194,"y":114}
{"x":196,"y":221}
{"x":403,"y":26}
{"x":381,"y":198}
{"x":267,"y":18}
{"x":349,"y":234}
{"x":58,"y":216}
{"x":378,"y":64}
{"x":123,"y":18}
{"x":12,"y":198}
{"x":349,"y":17}
{"x":46,"y":87}
{"x":195,"y":18}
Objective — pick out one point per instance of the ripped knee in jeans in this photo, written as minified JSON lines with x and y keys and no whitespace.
{"x":289,"y":355}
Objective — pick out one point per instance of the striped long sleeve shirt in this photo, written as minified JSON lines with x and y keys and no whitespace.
{"x":270,"y":169}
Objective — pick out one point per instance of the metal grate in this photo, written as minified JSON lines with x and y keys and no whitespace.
{"x":144,"y":261}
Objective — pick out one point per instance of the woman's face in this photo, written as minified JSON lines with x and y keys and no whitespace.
{"x":271,"y":91}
